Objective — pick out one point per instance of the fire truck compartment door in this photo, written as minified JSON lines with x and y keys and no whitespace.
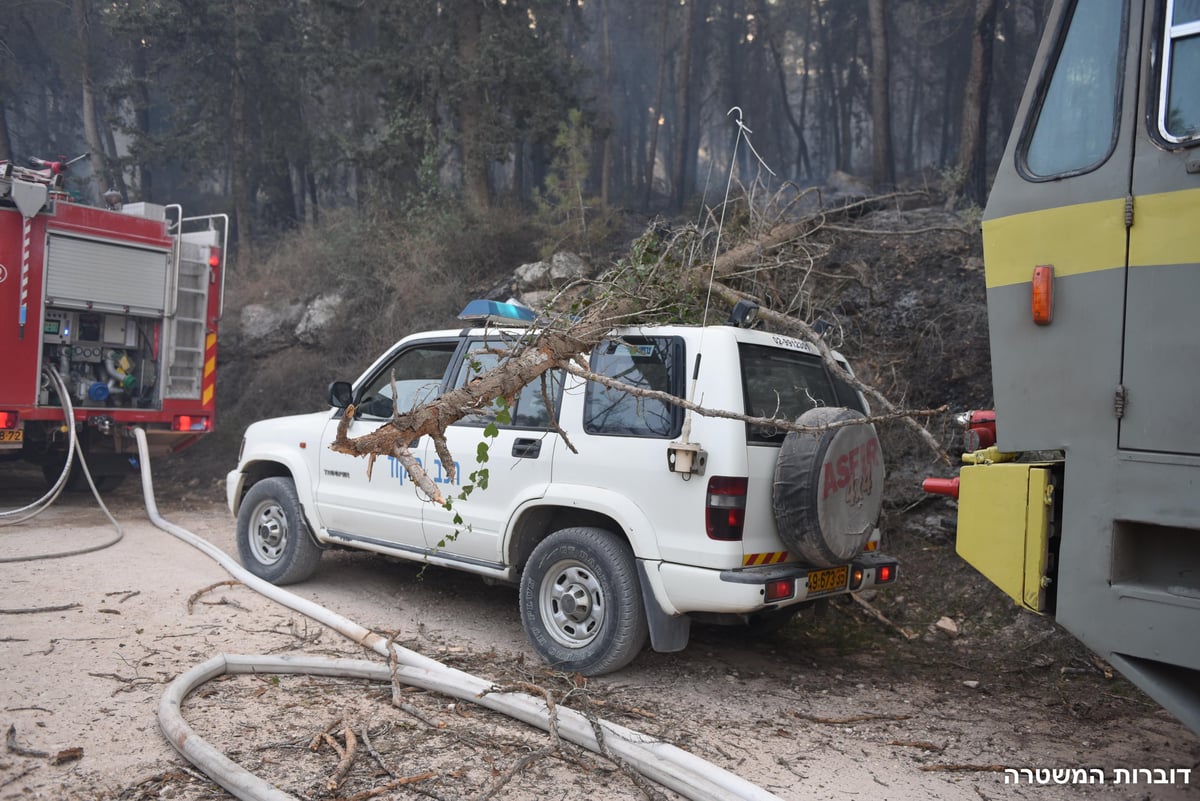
{"x":102,"y":276}
{"x":1004,"y":526}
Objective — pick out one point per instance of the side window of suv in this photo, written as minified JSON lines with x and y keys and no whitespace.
{"x":654,"y":363}
{"x":417,"y":372}
{"x":528,"y":409}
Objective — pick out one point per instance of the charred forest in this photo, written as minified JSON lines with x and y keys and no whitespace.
{"x":280,"y":112}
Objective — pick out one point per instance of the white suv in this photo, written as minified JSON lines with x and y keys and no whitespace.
{"x":655,"y":521}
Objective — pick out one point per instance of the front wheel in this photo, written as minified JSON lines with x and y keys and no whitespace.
{"x":581,"y":603}
{"x":272,"y":537}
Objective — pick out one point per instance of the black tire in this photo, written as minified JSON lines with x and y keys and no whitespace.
{"x":77,"y":481}
{"x":273,"y":539}
{"x":828,"y":487}
{"x":581,"y":603}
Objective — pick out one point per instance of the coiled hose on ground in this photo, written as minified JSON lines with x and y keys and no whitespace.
{"x":10,"y":517}
{"x":661,"y":762}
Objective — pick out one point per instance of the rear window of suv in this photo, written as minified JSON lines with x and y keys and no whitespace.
{"x":785,"y":384}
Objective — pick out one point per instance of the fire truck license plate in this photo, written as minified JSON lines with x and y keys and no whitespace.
{"x":11,"y":436}
{"x":828,"y":580}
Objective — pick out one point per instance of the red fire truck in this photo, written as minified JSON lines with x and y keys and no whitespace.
{"x":108,"y":320}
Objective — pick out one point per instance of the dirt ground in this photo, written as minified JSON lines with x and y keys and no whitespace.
{"x":838,"y":706}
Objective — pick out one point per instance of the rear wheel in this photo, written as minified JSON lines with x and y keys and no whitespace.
{"x":581,"y":603}
{"x":272,"y":537}
{"x":77,"y":481}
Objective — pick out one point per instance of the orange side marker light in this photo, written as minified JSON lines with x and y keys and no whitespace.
{"x":1043,"y":294}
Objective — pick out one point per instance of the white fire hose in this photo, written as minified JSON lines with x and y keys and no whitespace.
{"x":661,"y":762}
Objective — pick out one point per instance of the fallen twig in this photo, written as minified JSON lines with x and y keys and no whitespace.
{"x":875,"y":613}
{"x":226,"y":602}
{"x":192,"y":598}
{"x":918,"y":744}
{"x":851,"y":719}
{"x":554,"y":744}
{"x":378,"y":791}
{"x":366,"y":738}
{"x":19,"y":776}
{"x":638,"y":779}
{"x":131,"y":683}
{"x":32,"y":610}
{"x":315,"y":743}
{"x":347,"y":759}
{"x":10,"y":742}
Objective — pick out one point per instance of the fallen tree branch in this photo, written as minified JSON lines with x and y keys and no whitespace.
{"x":773,"y":422}
{"x":806,"y":330}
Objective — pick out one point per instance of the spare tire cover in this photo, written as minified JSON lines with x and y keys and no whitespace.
{"x":828,"y":486}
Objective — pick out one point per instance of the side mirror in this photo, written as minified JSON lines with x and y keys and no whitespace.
{"x":340,"y":394}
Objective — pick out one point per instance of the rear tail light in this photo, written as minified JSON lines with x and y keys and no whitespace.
{"x":725,"y":512}
{"x":856,"y":577}
{"x":884,"y":574}
{"x":189,"y":422}
{"x":8,"y":420}
{"x":779,"y":590}
{"x":214,"y":257}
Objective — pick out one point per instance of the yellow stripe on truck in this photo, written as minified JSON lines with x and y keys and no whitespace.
{"x":1089,"y":237}
{"x":1074,"y":239}
{"x":1164,"y":229}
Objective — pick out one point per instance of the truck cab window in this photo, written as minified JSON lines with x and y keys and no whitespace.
{"x":1179,"y":101}
{"x":418,"y":376}
{"x":1075,"y":128}
{"x":528,"y":409}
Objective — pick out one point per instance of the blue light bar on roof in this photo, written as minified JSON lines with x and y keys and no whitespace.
{"x":493,"y":311}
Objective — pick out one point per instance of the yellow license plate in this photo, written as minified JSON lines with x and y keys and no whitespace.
{"x":828,"y":580}
{"x":12,"y":436}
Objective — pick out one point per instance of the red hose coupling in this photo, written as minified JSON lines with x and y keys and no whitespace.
{"x":941,"y":486}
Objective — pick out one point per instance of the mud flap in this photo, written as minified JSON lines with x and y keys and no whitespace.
{"x":667,"y":632}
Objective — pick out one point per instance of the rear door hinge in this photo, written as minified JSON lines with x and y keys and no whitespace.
{"x":1120,"y":398}
{"x":1129,"y":211}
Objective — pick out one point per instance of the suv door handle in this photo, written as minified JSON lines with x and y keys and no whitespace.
{"x":526,"y":448}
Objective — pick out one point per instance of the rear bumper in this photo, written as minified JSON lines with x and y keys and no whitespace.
{"x":695,"y":589}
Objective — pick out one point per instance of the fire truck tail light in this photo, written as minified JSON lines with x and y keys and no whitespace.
{"x":190,"y":422}
{"x":214,"y":257}
{"x":884,"y":574}
{"x":856,"y":578}
{"x":1043,"y":294}
{"x":725,"y":512}
{"x":8,"y":420}
{"x":779,"y":590}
